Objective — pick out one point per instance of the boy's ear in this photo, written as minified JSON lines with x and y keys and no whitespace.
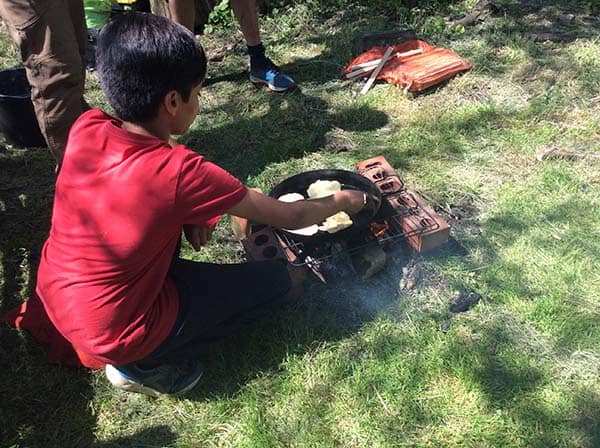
{"x":171,"y":102}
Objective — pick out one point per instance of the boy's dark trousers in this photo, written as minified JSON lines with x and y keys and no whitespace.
{"x":216,"y":301}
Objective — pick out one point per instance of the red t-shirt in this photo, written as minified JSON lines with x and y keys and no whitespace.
{"x":120,"y":203}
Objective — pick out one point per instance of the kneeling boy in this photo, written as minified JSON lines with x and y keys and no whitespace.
{"x":110,"y":276}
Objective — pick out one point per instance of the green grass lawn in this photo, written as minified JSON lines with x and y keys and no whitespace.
{"x":370,"y":363}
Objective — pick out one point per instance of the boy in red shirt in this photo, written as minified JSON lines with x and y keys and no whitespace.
{"x":110,"y":277}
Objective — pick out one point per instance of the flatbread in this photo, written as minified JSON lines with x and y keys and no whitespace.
{"x":291,"y":197}
{"x":320,"y":189}
{"x":323,"y":188}
{"x":304,"y":231}
{"x":335,"y":223}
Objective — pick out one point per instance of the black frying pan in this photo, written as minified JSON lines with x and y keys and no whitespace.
{"x":349,"y":180}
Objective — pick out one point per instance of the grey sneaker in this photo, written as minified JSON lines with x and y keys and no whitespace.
{"x":165,"y":379}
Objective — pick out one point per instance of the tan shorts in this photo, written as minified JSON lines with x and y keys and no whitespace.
{"x":51,"y":35}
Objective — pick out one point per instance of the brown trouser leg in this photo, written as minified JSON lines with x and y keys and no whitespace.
{"x":51,"y":35}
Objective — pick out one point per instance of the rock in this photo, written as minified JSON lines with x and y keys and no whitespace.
{"x":464,"y":302}
{"x":337,"y":140}
{"x":456,"y":213}
{"x":446,"y":325}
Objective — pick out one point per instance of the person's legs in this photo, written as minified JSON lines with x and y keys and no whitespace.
{"x":49,"y":35}
{"x":247,"y":17}
{"x":215,"y":302}
{"x":219,"y":300}
{"x":262,"y":69}
{"x":183,"y":12}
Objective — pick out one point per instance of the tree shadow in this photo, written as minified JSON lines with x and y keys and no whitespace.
{"x":42,"y":404}
{"x":555,"y":21}
{"x":587,"y":415}
{"x":154,"y":436}
{"x":39,"y":400}
{"x":505,"y":365}
{"x":26,"y":190}
{"x":292,"y":125}
{"x":538,"y":22}
{"x":532,"y":24}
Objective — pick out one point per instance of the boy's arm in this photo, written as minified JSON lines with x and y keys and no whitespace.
{"x":258,"y":207}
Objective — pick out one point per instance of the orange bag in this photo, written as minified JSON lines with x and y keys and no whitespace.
{"x":414,"y":72}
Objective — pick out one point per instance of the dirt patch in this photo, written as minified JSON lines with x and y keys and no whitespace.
{"x":463,"y":218}
{"x":338,"y":140}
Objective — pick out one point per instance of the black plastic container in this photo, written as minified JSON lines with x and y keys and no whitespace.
{"x":17,"y":118}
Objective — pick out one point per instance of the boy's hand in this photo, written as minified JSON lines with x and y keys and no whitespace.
{"x":197,"y":236}
{"x":354,"y":199}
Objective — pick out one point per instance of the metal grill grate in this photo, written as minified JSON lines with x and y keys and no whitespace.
{"x":396,"y":208}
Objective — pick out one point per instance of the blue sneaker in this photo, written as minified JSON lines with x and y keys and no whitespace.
{"x":172,"y":379}
{"x":271,"y":76}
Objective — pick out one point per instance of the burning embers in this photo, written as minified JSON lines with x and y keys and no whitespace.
{"x":378,"y":229}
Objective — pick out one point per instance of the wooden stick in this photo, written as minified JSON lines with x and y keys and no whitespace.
{"x":374,"y":62}
{"x":368,"y":64}
{"x":371,"y":80}
{"x":362,"y":71}
{"x":383,"y":403}
{"x":547,"y":153}
{"x":409,"y":53}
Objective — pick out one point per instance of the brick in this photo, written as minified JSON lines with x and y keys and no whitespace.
{"x":262,"y":244}
{"x":381,"y":173}
{"x":424,"y":228}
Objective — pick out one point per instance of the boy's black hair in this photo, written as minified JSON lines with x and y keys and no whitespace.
{"x":141,"y":57}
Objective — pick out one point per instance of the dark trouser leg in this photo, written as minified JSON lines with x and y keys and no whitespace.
{"x":217,"y":301}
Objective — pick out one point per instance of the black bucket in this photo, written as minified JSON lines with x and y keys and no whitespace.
{"x":17,"y":118}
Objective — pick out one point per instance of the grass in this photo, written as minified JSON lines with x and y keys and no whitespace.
{"x":368,"y":363}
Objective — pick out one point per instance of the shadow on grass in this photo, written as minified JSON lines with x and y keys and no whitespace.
{"x":513,"y":362}
{"x":587,"y":416}
{"x":540,"y":23}
{"x":293,"y":125}
{"x":325,"y":314}
{"x":155,"y":436}
{"x":557,"y":20}
{"x":508,"y":366}
{"x":42,"y":404}
{"x":26,"y":189}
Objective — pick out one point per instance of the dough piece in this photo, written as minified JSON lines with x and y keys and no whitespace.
{"x":305,"y":231}
{"x":291,"y":197}
{"x":335,"y":223}
{"x":322,"y":188}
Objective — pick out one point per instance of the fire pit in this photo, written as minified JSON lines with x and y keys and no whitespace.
{"x":403,"y":216}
